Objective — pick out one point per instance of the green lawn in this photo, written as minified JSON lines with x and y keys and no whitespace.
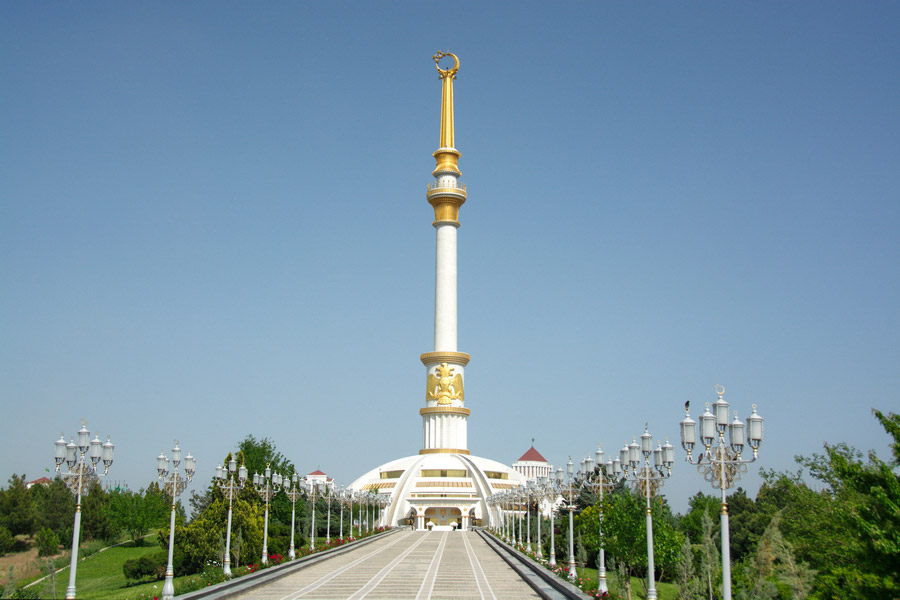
{"x":100,"y":576}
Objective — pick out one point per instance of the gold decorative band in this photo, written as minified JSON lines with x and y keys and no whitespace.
{"x":443,"y":451}
{"x":453,"y":410}
{"x":446,"y":208}
{"x":447,"y":161}
{"x":453,"y":358}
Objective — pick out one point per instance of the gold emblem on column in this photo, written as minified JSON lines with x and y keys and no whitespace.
{"x":445,"y":386}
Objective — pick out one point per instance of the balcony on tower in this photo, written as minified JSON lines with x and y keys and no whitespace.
{"x":446,"y":196}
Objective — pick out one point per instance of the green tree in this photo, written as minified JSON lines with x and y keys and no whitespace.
{"x":689,"y":585}
{"x":6,"y":540}
{"x":692,"y":521}
{"x":55,"y":507}
{"x":198,"y":543}
{"x":139,"y":512}
{"x":47,"y":542}
{"x":257,"y":454}
{"x":709,"y":557}
{"x":741,"y":519}
{"x":867,"y":500}
{"x":96,"y":517}
{"x":625,"y":534}
{"x":17,"y":508}
{"x":774,"y":572}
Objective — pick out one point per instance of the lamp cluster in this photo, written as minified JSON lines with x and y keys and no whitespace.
{"x":173,"y":485}
{"x":82,"y":460}
{"x":225,"y":481}
{"x":723,"y":465}
{"x":604,"y":477}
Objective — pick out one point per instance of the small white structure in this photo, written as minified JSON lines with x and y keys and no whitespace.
{"x":321,"y":479}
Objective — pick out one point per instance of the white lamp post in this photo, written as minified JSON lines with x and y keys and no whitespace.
{"x":225,"y":481}
{"x":529,"y":497}
{"x":173,"y":485}
{"x":350,"y":496}
{"x":79,"y":475}
{"x":293,"y":492}
{"x":538,"y":497}
{"x":604,"y":478}
{"x":341,"y":495}
{"x":312,"y":488}
{"x":329,"y":498}
{"x":553,"y":492}
{"x":724,"y":465}
{"x":267,"y":485}
{"x":570,"y":489}
{"x":647,"y":479}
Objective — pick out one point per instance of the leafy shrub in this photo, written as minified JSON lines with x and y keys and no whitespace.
{"x":26,"y":592}
{"x":145,"y":566}
{"x":47,"y":542}
{"x":6,"y":540}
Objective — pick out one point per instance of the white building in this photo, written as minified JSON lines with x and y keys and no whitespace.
{"x":321,"y":479}
{"x":532,"y":465}
{"x":443,"y":486}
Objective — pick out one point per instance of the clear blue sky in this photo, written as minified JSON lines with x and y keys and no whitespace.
{"x":213,"y":224}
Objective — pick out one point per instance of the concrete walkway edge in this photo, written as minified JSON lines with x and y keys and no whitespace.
{"x":544,"y":582}
{"x":239,"y":585}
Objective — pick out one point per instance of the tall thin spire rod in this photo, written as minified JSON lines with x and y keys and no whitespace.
{"x":446,"y":156}
{"x":447,"y":75}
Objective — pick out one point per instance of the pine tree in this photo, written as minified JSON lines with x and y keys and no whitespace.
{"x":689,"y":585}
{"x":709,"y":557}
{"x":775,"y":568}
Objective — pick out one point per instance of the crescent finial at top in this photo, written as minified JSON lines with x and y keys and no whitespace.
{"x":451,"y":72}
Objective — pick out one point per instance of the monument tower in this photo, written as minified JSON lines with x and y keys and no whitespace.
{"x":443,"y":486}
{"x":444,"y":416}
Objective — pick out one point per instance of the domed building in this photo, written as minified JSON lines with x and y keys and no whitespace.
{"x":443,"y":486}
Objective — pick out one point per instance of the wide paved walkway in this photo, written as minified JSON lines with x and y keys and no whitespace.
{"x":410,"y":564}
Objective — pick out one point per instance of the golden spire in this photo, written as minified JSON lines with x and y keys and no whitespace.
{"x":447,"y":75}
{"x":446,"y":155}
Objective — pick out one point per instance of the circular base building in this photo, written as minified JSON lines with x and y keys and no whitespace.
{"x":443,"y":491}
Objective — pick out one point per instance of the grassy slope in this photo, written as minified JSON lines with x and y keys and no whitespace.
{"x":100,"y":575}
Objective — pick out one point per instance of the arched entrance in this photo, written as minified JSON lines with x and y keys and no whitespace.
{"x":443,"y":516}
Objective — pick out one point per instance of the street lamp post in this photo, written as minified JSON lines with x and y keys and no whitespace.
{"x":312,"y":488}
{"x":329,"y":498}
{"x":528,"y":496}
{"x":511,"y":503}
{"x":648,"y":479}
{"x":570,"y":490}
{"x":267,"y":485}
{"x":537,"y":489}
{"x":341,"y":499}
{"x":79,"y":475}
{"x":225,"y":481}
{"x":350,"y":496}
{"x":293,"y":493}
{"x":552,"y":491}
{"x":604,"y":479}
{"x":381,"y":501}
{"x":724,"y":465}
{"x":173,"y":485}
